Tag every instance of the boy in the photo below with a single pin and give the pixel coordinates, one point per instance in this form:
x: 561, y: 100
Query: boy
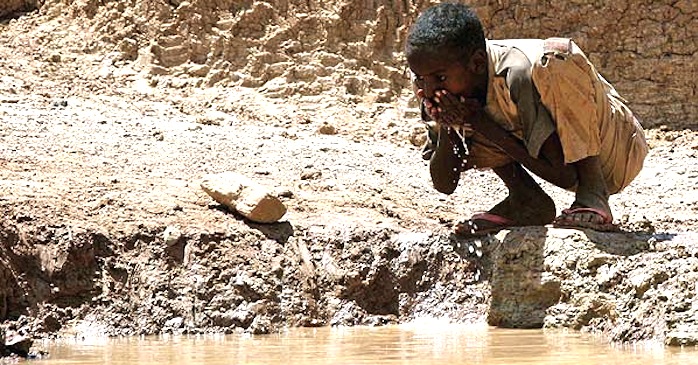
x: 515, y: 104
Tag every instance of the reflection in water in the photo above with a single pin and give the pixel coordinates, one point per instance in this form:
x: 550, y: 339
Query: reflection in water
x: 418, y: 343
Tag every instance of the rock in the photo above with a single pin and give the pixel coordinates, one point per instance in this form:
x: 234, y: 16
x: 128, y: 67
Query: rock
x: 259, y: 205
x: 418, y: 135
x: 175, y: 322
x: 522, y: 290
x: 128, y: 48
x: 60, y: 103
x: 18, y: 344
x: 157, y: 70
x: 327, y: 128
x: 239, y: 193
x: 682, y: 337
x: 260, y: 326
x: 171, y: 235
x: 310, y: 174
x: 215, y: 117
x: 199, y: 70
x: 284, y: 193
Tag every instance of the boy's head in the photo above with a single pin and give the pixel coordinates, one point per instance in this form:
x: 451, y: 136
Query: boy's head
x: 445, y: 48
x: 447, y: 26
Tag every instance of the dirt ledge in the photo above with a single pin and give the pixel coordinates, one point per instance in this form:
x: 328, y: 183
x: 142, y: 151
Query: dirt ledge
x: 72, y: 281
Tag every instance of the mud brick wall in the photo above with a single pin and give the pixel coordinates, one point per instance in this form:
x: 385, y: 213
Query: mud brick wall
x: 646, y: 48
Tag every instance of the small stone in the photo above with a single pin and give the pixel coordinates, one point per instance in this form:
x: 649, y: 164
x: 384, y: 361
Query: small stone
x: 310, y: 174
x: 260, y: 325
x: 175, y: 322
x: 128, y: 48
x: 157, y: 70
x: 199, y: 70
x: 284, y: 193
x: 418, y: 136
x: 18, y: 344
x: 214, y: 117
x: 640, y: 282
x: 327, y: 129
x: 60, y: 103
x: 681, y: 338
x: 258, y: 205
x: 171, y: 235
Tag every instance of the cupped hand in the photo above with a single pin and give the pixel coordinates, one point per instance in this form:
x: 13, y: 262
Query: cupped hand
x: 430, y: 107
x: 458, y: 111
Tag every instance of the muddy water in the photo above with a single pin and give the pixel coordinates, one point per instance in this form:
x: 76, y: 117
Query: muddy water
x: 430, y: 343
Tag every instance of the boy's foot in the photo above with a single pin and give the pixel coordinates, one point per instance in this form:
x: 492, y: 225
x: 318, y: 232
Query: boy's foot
x: 511, y: 212
x: 482, y: 224
x: 585, y: 217
x: 590, y: 208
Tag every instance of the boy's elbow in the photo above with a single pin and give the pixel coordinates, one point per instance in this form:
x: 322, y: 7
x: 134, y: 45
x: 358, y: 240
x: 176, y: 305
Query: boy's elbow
x: 445, y: 188
x: 444, y: 180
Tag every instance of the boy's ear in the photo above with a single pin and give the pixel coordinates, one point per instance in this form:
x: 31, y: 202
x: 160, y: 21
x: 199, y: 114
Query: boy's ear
x: 478, y: 62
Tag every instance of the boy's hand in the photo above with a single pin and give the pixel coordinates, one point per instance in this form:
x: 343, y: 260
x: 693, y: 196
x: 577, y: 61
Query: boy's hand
x: 450, y: 110
x: 429, y: 105
x: 458, y: 111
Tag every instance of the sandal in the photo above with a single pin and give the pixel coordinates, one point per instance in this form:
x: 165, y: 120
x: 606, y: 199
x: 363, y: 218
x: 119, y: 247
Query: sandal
x: 470, y: 229
x: 566, y: 220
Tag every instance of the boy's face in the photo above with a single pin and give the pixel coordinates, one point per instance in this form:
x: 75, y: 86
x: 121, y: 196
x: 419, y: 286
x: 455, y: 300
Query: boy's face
x: 438, y: 72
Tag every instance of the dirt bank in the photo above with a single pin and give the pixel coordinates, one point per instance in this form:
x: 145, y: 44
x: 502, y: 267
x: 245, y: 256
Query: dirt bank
x: 102, y: 151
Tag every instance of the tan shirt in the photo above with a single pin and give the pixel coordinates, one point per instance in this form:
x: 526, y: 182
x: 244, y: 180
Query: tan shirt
x: 537, y: 87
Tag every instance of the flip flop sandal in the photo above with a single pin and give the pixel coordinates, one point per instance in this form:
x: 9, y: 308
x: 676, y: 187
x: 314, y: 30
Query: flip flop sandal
x: 469, y: 229
x: 606, y: 224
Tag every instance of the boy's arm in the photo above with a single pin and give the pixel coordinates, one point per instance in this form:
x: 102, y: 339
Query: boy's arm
x: 558, y: 173
x: 446, y: 163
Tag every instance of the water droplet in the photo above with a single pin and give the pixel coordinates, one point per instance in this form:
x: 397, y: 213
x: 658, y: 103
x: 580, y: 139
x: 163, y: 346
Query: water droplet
x: 471, y: 249
x: 478, y: 253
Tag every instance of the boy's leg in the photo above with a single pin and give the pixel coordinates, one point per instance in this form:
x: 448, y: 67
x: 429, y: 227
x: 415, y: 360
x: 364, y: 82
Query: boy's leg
x: 590, y: 208
x: 526, y: 205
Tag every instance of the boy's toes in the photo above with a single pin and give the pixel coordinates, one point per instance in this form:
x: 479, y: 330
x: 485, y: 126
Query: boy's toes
x: 583, y: 217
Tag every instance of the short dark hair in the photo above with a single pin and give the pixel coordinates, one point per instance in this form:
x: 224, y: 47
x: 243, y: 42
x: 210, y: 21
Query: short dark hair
x: 452, y: 26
